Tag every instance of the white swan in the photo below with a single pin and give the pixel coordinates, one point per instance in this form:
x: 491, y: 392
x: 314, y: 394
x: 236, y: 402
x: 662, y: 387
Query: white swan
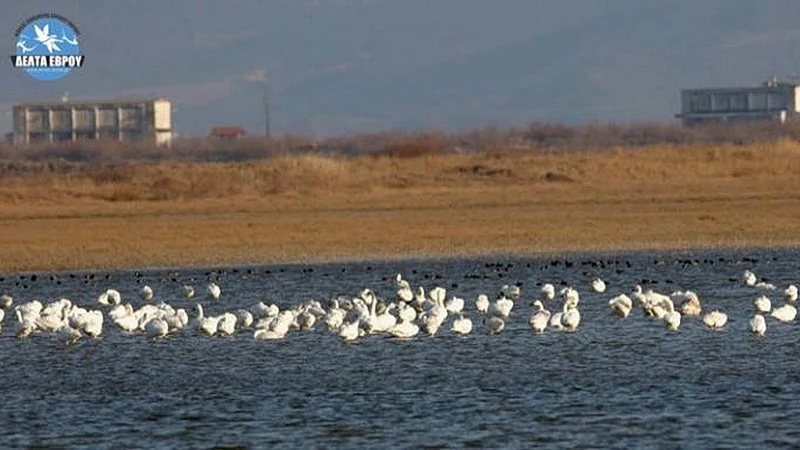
x: 672, y: 318
x: 268, y: 334
x: 622, y: 305
x: 432, y: 321
x: 438, y: 295
x: 495, y: 325
x: 570, y: 317
x: 433, y: 318
x: 455, y: 305
x: 404, y: 292
x: 206, y: 325
x: 765, y: 285
x: 176, y: 321
x: 378, y: 323
x: 157, y: 328
x: 305, y: 318
x: 404, y: 330
x: 52, y: 321
x: 110, y: 297
x: 58, y: 307
x: 6, y: 301
x: 244, y: 318
x: 540, y: 318
x: 118, y: 311
x: 401, y: 283
x: 571, y: 296
x: 349, y: 331
x: 482, y: 303
x: 598, y: 285
x: 689, y: 301
x: 91, y: 323
x: 419, y: 299
x: 691, y: 307
x: 501, y: 307
x: 555, y: 320
x: 188, y: 291
x: 758, y: 325
x: 287, y: 319
x: 262, y: 310
x: 749, y: 278
x: 125, y: 319
x: 147, y: 293
x: 213, y: 291
x: 511, y: 291
x: 548, y: 291
x: 791, y: 293
x: 655, y: 304
x: 226, y: 325
x: 461, y: 326
x: 145, y: 314
x: 30, y: 309
x: 69, y: 334
x: 762, y: 304
x: 715, y: 319
x: 406, y: 312
x: 785, y: 313
x: 334, y: 319
x: 26, y: 325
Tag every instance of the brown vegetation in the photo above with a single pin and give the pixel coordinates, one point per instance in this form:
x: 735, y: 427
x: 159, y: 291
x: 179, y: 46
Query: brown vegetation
x: 405, y: 195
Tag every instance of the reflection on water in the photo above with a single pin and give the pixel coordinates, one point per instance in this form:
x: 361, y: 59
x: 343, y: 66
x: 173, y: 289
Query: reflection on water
x: 613, y: 383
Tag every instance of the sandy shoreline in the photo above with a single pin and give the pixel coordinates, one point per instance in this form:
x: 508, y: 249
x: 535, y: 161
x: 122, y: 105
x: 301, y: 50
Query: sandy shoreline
x: 371, y: 208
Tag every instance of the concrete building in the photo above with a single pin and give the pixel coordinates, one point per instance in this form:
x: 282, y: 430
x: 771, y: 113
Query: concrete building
x: 120, y: 120
x: 773, y: 100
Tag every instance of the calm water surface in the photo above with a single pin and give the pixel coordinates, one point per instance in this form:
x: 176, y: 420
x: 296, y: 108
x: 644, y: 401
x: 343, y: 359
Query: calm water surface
x: 613, y: 383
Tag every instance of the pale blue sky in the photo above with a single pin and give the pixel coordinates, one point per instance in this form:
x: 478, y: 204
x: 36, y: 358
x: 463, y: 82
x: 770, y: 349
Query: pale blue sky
x: 340, y: 66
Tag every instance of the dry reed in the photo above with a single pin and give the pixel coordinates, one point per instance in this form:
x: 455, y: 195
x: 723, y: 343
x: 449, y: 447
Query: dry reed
x: 401, y: 202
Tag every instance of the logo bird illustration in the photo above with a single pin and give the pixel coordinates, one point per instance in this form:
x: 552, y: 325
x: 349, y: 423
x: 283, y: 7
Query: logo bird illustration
x: 21, y: 44
x: 45, y: 38
x: 73, y: 41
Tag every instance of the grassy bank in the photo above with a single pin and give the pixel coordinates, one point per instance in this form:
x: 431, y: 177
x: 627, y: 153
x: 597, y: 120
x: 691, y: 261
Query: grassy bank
x: 133, y: 213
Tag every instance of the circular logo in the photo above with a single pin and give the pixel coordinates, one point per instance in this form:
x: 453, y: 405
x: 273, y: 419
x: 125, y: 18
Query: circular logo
x: 47, y: 47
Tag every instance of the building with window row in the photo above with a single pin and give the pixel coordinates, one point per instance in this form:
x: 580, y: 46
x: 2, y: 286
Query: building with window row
x: 773, y: 100
x: 119, y: 120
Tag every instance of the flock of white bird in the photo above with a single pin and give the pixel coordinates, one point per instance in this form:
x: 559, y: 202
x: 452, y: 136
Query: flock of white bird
x: 410, y: 312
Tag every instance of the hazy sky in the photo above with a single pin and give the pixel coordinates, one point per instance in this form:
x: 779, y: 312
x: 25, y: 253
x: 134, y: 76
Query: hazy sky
x: 339, y: 66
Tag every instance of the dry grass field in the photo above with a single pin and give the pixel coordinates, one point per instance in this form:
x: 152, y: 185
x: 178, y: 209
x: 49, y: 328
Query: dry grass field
x: 311, y: 207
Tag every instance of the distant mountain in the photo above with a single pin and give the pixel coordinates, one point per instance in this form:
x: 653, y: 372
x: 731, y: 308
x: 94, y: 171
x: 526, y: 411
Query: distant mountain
x: 343, y: 66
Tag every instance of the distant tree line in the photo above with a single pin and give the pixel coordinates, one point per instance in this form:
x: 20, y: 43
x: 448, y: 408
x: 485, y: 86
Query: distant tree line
x: 536, y: 137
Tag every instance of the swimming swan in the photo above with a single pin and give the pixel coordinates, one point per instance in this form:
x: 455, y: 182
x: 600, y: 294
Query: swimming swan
x: 785, y: 313
x: 762, y: 304
x: 213, y: 291
x: 791, y: 293
x: 622, y: 305
x: 461, y: 326
x: 540, y: 318
x: 482, y: 303
x: 598, y: 285
x: 495, y: 325
x: 548, y: 291
x: 147, y: 293
x: 715, y: 319
x: 758, y: 325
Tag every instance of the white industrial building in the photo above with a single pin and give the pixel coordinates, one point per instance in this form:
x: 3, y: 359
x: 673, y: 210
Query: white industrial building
x: 773, y: 101
x: 120, y: 120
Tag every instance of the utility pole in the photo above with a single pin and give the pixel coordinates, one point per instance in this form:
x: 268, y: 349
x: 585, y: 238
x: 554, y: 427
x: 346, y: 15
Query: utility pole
x: 266, y: 108
x: 259, y: 78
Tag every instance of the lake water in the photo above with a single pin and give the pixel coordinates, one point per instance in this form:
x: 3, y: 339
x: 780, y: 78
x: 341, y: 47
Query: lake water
x: 614, y: 383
